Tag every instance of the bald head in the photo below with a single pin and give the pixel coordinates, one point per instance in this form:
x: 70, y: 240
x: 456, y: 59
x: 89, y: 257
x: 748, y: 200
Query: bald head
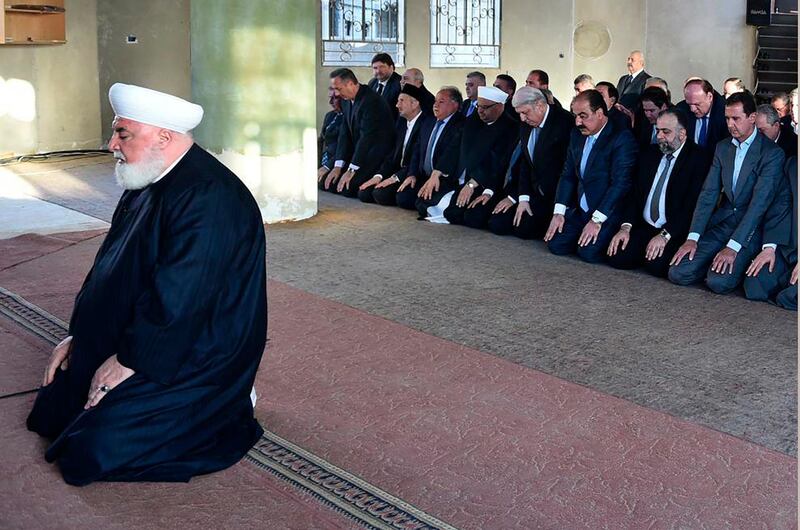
x: 413, y: 76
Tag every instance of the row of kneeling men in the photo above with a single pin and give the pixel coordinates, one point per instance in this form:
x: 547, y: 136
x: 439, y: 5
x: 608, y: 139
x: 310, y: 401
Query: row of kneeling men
x: 581, y: 181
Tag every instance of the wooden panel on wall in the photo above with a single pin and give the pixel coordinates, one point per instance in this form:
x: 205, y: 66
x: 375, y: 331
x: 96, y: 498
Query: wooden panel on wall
x: 24, y: 23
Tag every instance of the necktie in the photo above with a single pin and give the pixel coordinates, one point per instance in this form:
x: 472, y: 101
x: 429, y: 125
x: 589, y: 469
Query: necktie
x: 427, y: 165
x: 514, y: 157
x: 403, y: 147
x: 470, y: 109
x: 703, y: 131
x: 653, y: 138
x: 655, y: 200
x: 587, y: 148
x: 380, y: 89
x: 532, y: 141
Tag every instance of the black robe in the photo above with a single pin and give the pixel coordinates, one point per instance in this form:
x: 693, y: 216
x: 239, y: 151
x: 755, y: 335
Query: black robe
x: 178, y: 292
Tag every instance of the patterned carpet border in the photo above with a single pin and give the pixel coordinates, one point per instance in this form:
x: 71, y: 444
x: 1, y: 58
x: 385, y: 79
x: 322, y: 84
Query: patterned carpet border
x: 336, y: 488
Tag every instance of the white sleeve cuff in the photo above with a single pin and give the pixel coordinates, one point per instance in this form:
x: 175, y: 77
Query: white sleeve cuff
x: 693, y: 236
x: 510, y: 198
x: 338, y: 163
x: 488, y: 192
x: 524, y: 198
x: 380, y: 177
x: 600, y: 216
x: 626, y: 224
x: 559, y: 209
x: 353, y: 167
x: 734, y: 246
x: 773, y: 246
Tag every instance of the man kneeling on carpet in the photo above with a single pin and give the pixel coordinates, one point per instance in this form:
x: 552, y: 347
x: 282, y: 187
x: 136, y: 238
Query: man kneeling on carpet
x: 153, y: 382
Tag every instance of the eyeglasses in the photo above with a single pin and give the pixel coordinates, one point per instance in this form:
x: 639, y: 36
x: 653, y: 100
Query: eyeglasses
x: 486, y: 107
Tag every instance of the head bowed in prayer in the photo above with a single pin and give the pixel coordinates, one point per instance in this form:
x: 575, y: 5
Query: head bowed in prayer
x: 609, y: 92
x: 490, y: 103
x: 590, y: 112
x: 699, y: 95
x: 531, y: 105
x: 344, y: 83
x: 768, y: 121
x: 583, y: 82
x: 670, y: 130
x: 150, y: 131
x: 780, y: 102
x: 740, y: 115
x: 654, y: 100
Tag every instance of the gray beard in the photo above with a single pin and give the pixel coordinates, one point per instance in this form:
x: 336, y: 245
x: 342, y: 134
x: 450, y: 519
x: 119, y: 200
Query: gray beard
x: 137, y: 176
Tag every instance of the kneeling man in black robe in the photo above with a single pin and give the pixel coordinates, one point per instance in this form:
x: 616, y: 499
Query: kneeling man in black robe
x: 153, y: 382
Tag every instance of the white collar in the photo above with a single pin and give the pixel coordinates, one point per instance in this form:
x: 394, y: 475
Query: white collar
x: 171, y: 166
x: 410, y: 123
x: 637, y: 72
x: 546, y: 113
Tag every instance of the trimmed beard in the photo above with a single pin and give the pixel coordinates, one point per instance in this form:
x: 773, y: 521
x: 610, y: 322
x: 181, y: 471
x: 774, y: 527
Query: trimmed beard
x: 137, y: 176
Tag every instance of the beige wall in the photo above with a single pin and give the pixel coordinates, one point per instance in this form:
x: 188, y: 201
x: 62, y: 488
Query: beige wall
x: 708, y: 39
x: 65, y: 111
x: 159, y: 60
x: 679, y: 37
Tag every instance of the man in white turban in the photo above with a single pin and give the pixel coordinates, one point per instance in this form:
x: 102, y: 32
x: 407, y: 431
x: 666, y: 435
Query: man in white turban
x: 153, y: 382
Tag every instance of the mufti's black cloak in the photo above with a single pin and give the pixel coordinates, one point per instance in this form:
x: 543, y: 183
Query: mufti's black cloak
x: 178, y: 292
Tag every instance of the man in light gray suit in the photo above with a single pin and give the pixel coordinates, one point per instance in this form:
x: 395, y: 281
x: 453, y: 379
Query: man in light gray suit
x: 725, y: 233
x: 773, y: 274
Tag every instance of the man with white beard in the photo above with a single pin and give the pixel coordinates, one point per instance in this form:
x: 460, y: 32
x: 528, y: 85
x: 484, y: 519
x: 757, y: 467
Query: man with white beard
x: 153, y: 382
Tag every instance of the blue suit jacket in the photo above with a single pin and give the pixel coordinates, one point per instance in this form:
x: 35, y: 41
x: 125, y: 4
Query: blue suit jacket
x: 609, y: 170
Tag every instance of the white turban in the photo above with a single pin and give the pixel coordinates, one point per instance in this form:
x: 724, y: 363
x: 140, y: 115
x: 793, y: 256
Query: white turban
x: 154, y: 108
x: 492, y: 94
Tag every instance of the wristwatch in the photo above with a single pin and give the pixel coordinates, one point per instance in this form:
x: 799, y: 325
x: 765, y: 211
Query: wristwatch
x: 665, y: 235
x: 597, y: 219
x: 472, y: 184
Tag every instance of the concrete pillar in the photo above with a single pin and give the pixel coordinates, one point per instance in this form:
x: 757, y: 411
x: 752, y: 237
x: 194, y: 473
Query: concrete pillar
x: 253, y: 71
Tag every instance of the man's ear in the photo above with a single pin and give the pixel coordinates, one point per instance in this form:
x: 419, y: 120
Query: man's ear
x: 164, y: 137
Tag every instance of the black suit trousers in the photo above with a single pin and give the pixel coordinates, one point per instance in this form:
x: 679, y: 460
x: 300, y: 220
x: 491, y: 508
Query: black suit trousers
x: 567, y: 241
x: 386, y: 196
x: 633, y: 256
x: 475, y: 217
x: 530, y: 226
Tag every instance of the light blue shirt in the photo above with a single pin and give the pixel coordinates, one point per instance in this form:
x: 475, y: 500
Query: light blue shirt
x: 741, y: 153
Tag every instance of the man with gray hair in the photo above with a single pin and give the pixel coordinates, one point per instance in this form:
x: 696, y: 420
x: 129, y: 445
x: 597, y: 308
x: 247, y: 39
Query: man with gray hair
x: 658, y: 82
x: 630, y: 86
x: 417, y: 78
x: 769, y: 124
x: 544, y: 136
x: 583, y: 82
x: 783, y: 105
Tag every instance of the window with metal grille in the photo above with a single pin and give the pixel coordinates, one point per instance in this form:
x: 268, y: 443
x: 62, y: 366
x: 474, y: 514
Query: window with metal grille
x: 465, y: 33
x: 353, y: 31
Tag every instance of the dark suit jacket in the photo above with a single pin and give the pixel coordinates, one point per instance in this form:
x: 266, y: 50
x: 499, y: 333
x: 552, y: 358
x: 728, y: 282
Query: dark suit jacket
x: 448, y: 147
x: 788, y: 141
x: 538, y: 178
x: 644, y: 134
x: 759, y: 179
x: 609, y: 170
x: 426, y: 101
x: 465, y: 106
x: 390, y: 92
x: 629, y: 90
x: 717, y: 129
x: 329, y: 138
x: 620, y: 119
x: 400, y: 159
x: 508, y: 108
x: 780, y: 221
x: 366, y: 136
x: 688, y: 173
x: 486, y: 151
